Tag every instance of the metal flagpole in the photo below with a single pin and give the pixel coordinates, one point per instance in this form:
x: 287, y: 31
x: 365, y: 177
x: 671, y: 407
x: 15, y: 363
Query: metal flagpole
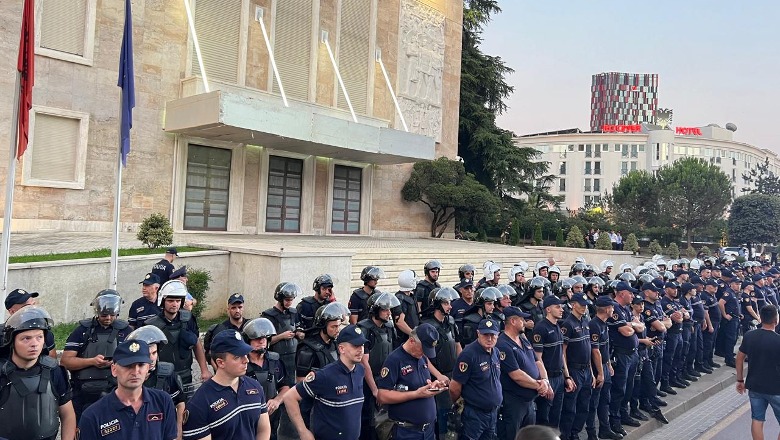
x: 113, y: 276
x: 9, y: 187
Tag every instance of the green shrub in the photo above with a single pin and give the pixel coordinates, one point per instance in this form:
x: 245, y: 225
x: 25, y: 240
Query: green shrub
x: 559, y: 238
x: 706, y: 250
x: 155, y: 231
x: 631, y: 244
x: 604, y: 242
x: 538, y: 235
x: 673, y: 251
x: 655, y: 247
x: 198, y: 285
x: 481, y: 234
x: 514, y: 233
x: 574, y: 238
x: 690, y: 252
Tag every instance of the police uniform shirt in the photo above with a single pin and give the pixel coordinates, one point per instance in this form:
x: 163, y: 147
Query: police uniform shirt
x: 651, y: 314
x: 141, y: 310
x: 685, y: 304
x: 747, y: 300
x: 599, y: 338
x: 711, y: 306
x: 459, y: 307
x: 621, y: 317
x: 222, y: 413
x: 669, y: 307
x: 79, y: 338
x: 337, y: 395
x: 759, y: 296
x: 479, y: 373
x: 698, y: 308
x: 731, y: 304
x: 109, y: 418
x: 163, y: 269
x: 404, y: 372
x: 307, y: 308
x: 357, y: 305
x: 515, y: 357
x: 548, y: 340
x: 576, y: 336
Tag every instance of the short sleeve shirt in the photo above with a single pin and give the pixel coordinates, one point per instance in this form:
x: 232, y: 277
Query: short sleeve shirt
x: 111, y: 419
x: 478, y: 371
x: 548, y: 340
x: 711, y: 305
x: 163, y: 269
x: 79, y: 337
x: 621, y: 317
x: 337, y: 393
x: 141, y: 310
x: 599, y: 338
x: 650, y: 315
x: 763, y: 349
x: 219, y: 411
x: 576, y: 337
x: 515, y: 357
x: 404, y: 372
x: 730, y: 303
x: 59, y: 383
x: 357, y: 305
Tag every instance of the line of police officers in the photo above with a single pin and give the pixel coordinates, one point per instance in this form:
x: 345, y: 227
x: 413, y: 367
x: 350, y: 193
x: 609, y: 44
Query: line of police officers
x: 425, y: 362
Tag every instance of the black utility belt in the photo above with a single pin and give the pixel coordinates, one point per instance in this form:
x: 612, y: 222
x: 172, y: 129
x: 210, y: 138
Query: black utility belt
x: 674, y: 331
x: 575, y: 366
x: 413, y: 426
x: 621, y: 350
x: 554, y: 373
x: 484, y: 410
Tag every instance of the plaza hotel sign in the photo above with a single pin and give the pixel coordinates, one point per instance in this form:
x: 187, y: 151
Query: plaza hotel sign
x: 636, y: 128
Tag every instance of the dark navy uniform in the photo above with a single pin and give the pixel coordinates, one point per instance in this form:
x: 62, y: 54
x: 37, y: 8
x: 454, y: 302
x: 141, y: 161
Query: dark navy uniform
x: 576, y: 338
x: 182, y: 333
x: 599, y: 399
x: 141, y: 310
x: 336, y: 394
x: 358, y: 304
x: 729, y: 329
x: 470, y: 323
x: 283, y: 321
x: 673, y: 342
x: 652, y: 313
x: 411, y: 315
x: 378, y: 348
x: 681, y: 362
x: 444, y: 362
x: 215, y: 329
x: 479, y: 373
x: 626, y: 361
x: 163, y: 269
x: 164, y: 378
x: 517, y: 408
x: 222, y: 413
x: 747, y: 300
x: 697, y: 338
x: 459, y: 307
x: 35, y: 414
x: 88, y: 340
x: 111, y: 419
x: 708, y: 336
x: 306, y: 310
x: 273, y: 377
x: 423, y: 291
x: 548, y: 340
x: 404, y: 372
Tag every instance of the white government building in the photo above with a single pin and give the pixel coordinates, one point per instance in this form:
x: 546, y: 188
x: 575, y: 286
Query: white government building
x: 588, y: 164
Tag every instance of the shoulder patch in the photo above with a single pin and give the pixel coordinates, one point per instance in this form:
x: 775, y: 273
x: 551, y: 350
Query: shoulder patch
x: 563, y: 330
x: 385, y: 371
x: 594, y: 337
x: 725, y: 295
x: 463, y: 366
x: 309, y: 377
x: 615, y: 316
x: 501, y: 355
x: 537, y: 338
x: 648, y: 312
x: 669, y: 307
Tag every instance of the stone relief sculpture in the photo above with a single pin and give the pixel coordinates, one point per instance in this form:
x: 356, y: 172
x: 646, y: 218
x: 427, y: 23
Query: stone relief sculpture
x: 421, y: 67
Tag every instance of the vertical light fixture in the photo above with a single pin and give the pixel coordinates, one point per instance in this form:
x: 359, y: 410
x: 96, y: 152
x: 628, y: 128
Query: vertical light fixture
x: 259, y: 13
x: 378, y: 57
x: 191, y: 23
x: 324, y: 39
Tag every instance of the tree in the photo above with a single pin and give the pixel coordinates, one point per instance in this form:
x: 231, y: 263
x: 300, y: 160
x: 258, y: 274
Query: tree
x: 754, y: 219
x: 693, y: 194
x: 655, y: 247
x: 574, y: 238
x: 155, y: 231
x: 604, y: 242
x: 538, y: 235
x: 446, y: 189
x: 559, y: 238
x: 514, y: 234
x: 634, y: 200
x: 631, y: 244
x: 761, y: 180
x: 673, y: 251
x: 690, y: 252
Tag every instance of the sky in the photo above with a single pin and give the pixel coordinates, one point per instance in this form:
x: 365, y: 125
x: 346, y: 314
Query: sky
x: 717, y: 61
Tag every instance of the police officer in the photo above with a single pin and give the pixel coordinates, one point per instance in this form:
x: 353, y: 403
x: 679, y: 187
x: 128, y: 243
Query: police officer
x: 466, y: 272
x: 710, y: 301
x: 466, y: 290
x: 235, y: 321
x: 644, y: 381
x: 548, y: 345
x: 409, y: 313
x: 323, y: 294
x: 729, y: 325
x: 622, y: 336
x: 688, y: 348
x: 492, y: 276
x: 286, y: 322
x: 577, y: 356
x: 423, y: 290
x: 335, y: 391
x: 145, y: 307
x: 484, y: 306
x: 447, y: 347
x: 518, y: 282
x: 89, y: 349
x: 164, y: 268
x: 606, y: 270
x: 532, y: 303
x: 477, y: 380
x: 117, y: 415
x: 230, y: 405
x: 406, y: 386
x: 600, y: 356
x: 673, y: 341
x: 378, y: 329
x: 701, y: 322
x: 523, y: 377
x: 181, y: 329
x: 370, y: 275
x: 317, y: 350
x: 18, y: 298
x: 265, y: 367
x: 748, y: 308
x: 657, y: 324
x: 36, y: 414
x: 180, y: 274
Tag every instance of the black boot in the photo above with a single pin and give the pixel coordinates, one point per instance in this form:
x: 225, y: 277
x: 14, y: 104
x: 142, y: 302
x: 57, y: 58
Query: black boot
x: 660, y: 393
x: 607, y: 433
x: 693, y: 372
x: 688, y: 377
x: 617, y: 428
x: 667, y: 388
x: 629, y: 421
x: 658, y: 415
x: 636, y: 414
x: 592, y: 434
x: 702, y: 368
x: 658, y: 402
x: 713, y: 364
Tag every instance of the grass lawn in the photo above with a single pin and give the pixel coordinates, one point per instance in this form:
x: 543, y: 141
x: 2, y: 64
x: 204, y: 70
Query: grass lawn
x: 96, y: 253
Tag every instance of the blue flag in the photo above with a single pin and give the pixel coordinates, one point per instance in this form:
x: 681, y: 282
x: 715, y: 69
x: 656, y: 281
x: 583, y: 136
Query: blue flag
x: 127, y: 83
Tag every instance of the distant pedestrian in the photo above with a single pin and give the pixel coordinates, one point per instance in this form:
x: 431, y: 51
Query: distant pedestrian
x: 762, y: 346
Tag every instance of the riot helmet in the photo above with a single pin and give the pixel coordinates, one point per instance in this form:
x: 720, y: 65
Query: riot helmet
x: 488, y: 294
x: 464, y: 269
x: 627, y: 277
x: 442, y: 295
x: 523, y: 266
x: 286, y: 290
x: 381, y: 301
x: 324, y: 280
x: 107, y: 302
x: 27, y: 318
x: 431, y: 265
x: 626, y: 267
x: 330, y: 312
x: 605, y: 264
x: 149, y: 334
x: 371, y: 273
x: 407, y: 280
x: 172, y: 289
x: 507, y: 290
x: 259, y: 328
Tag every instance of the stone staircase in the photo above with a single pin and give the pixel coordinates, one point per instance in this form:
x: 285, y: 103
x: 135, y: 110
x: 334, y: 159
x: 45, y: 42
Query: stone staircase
x: 451, y: 254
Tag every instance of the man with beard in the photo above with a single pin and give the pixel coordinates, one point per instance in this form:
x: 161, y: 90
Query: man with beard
x: 548, y: 345
x: 323, y: 294
x: 235, y: 321
x: 424, y: 287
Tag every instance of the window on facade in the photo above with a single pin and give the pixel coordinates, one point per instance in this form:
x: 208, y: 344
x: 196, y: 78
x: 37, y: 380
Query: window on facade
x: 623, y: 168
x: 354, y: 53
x: 57, y: 151
x: 597, y: 185
x: 581, y: 147
x: 588, y: 150
x: 605, y: 147
x: 292, y: 44
x: 207, y: 191
x: 624, y: 150
x: 346, y: 200
x: 587, y: 185
x: 561, y: 185
x: 634, y: 150
x: 588, y: 200
x: 285, y: 182
x: 597, y: 150
x: 571, y: 147
x: 587, y: 167
x: 218, y: 24
x: 633, y: 165
x: 67, y: 29
x: 563, y: 168
x: 596, y: 167
x: 641, y: 148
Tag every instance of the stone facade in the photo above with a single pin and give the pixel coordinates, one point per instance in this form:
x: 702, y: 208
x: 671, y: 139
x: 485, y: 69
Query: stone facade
x: 164, y: 64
